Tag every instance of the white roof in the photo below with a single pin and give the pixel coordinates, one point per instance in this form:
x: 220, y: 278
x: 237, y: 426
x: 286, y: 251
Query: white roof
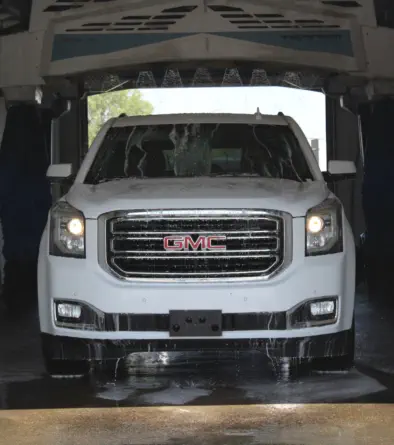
x: 203, y: 118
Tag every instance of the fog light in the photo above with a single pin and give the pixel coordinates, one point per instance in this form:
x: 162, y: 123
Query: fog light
x: 319, y: 308
x: 316, y: 312
x: 67, y: 310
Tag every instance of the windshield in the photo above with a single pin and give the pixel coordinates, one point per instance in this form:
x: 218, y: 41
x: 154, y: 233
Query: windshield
x: 190, y: 150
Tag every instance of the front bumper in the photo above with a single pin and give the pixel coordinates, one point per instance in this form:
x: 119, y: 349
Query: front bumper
x: 68, y: 348
x: 254, y: 310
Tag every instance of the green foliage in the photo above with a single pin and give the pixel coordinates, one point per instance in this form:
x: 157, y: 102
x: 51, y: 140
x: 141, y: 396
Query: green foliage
x: 102, y: 107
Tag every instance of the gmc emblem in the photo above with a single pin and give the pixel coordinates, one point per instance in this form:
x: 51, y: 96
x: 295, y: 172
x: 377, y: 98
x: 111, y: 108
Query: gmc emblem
x: 177, y: 243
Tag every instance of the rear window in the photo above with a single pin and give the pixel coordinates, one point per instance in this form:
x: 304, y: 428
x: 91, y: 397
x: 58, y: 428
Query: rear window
x: 193, y: 150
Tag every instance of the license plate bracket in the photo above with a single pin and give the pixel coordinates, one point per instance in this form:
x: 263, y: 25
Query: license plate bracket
x: 201, y: 323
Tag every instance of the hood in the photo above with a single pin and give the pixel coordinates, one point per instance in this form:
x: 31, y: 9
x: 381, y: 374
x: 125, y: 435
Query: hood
x: 197, y: 193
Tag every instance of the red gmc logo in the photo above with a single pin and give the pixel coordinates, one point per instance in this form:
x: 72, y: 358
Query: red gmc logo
x: 186, y: 242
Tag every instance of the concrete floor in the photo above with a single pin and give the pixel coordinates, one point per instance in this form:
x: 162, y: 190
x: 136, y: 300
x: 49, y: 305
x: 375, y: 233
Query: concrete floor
x: 202, y: 425
x: 200, y: 393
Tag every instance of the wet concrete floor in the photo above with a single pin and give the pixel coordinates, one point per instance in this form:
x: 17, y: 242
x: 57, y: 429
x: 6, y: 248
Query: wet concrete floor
x: 199, y: 425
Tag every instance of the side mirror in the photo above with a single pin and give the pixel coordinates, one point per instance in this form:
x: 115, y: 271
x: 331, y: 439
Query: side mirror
x: 60, y: 172
x: 339, y: 170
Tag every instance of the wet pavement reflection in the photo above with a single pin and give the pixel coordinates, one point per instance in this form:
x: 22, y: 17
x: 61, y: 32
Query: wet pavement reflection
x: 157, y: 379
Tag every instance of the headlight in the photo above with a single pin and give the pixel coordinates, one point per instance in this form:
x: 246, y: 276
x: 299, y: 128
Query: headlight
x: 323, y: 227
x: 67, y: 236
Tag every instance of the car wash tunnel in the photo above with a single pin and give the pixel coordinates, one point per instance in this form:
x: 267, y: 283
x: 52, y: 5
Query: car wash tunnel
x: 206, y: 272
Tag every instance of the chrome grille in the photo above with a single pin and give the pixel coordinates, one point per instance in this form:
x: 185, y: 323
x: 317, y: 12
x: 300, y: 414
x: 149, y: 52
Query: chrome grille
x: 254, y: 244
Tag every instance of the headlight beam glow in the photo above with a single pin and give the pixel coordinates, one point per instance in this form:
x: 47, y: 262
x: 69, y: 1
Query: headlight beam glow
x: 75, y: 227
x: 315, y: 224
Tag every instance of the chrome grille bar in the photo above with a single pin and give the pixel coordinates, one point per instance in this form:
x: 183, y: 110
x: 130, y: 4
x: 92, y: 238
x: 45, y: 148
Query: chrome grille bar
x: 161, y: 257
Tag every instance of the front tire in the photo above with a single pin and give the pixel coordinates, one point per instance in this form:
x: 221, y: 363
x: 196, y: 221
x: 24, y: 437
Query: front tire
x: 339, y: 363
x: 66, y: 368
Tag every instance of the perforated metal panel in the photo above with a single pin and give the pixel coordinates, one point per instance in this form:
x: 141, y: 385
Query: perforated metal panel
x: 60, y: 6
x: 242, y: 10
x: 167, y: 19
x: 160, y: 21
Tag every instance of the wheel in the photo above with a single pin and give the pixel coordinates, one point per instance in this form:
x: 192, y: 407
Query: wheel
x: 67, y: 368
x: 339, y: 363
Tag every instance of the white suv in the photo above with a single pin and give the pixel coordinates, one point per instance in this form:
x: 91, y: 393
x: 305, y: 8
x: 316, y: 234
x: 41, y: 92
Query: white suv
x: 197, y: 232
